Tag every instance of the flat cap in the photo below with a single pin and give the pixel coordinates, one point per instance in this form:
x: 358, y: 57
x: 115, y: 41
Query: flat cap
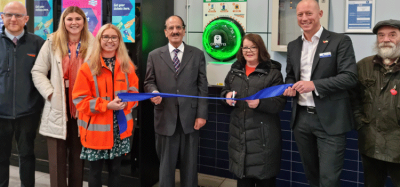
x: 390, y: 22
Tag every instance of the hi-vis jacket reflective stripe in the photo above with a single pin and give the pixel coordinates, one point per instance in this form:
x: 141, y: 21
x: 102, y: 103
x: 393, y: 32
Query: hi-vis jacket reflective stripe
x: 91, y: 95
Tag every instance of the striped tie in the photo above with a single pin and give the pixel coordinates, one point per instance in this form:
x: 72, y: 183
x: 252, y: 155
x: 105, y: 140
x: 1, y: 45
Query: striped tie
x: 177, y: 63
x: 15, y: 40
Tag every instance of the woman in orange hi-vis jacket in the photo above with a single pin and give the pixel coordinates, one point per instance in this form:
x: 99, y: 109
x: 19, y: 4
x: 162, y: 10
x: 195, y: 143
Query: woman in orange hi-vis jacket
x: 109, y: 71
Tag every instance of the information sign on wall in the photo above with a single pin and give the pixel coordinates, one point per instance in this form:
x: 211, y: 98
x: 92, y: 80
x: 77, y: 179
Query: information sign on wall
x: 235, y: 9
x: 92, y: 9
x: 360, y: 16
x: 43, y: 20
x: 3, y: 3
x: 123, y: 16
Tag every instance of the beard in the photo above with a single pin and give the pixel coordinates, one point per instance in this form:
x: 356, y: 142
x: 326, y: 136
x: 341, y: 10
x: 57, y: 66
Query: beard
x: 387, y: 50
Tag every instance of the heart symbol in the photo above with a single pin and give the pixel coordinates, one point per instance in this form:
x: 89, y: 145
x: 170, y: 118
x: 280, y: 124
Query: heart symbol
x: 393, y: 92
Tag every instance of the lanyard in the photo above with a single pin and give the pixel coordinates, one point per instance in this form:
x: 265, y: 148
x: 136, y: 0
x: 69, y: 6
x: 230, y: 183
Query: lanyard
x: 77, y: 50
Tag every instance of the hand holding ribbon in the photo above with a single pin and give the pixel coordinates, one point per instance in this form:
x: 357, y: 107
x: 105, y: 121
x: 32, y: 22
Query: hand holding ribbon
x: 262, y: 94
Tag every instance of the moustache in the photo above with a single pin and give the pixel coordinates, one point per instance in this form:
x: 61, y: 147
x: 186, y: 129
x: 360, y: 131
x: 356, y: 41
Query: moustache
x: 387, y: 44
x: 174, y: 34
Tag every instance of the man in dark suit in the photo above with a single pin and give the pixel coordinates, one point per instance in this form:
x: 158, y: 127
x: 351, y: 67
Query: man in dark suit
x: 180, y: 69
x: 322, y: 66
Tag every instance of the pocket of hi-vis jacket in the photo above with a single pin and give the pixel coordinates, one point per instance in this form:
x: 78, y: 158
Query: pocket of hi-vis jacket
x: 99, y: 131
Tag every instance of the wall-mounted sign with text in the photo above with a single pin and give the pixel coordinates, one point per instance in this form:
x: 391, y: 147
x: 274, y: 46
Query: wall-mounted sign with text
x: 92, y: 9
x: 43, y: 20
x: 360, y: 16
x: 235, y: 9
x: 123, y: 16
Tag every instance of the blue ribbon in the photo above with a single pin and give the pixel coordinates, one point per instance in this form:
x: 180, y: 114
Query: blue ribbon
x: 272, y: 91
x: 123, y: 124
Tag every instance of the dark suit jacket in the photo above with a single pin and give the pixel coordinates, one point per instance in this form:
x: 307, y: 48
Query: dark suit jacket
x: 332, y: 76
x: 189, y: 80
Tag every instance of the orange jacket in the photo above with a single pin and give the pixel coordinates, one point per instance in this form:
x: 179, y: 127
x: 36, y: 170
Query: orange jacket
x: 91, y: 95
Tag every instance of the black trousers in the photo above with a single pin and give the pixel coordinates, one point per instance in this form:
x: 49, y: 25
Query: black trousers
x: 24, y: 129
x: 182, y: 146
x: 376, y: 172
x: 114, y: 172
x: 322, y: 154
x: 250, y: 182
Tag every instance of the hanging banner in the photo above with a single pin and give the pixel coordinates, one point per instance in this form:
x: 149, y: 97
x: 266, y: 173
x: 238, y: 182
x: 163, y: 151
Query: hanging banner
x: 123, y: 16
x: 3, y: 3
x: 92, y: 9
x: 43, y: 20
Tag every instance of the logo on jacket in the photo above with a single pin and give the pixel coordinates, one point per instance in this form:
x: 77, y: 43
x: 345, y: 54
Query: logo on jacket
x: 31, y: 55
x: 120, y: 80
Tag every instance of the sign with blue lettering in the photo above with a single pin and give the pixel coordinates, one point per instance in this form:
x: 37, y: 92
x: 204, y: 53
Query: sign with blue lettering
x: 123, y: 16
x: 43, y: 20
x: 360, y: 16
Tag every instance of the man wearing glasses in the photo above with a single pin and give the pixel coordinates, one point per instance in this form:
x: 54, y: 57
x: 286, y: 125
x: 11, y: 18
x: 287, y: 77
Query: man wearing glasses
x: 20, y: 102
x: 179, y: 69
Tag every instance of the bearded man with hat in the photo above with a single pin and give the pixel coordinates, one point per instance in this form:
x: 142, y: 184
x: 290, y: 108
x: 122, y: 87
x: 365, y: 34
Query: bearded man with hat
x: 376, y: 105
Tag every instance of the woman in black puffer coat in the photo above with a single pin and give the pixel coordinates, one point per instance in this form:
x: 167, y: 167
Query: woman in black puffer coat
x: 255, y: 133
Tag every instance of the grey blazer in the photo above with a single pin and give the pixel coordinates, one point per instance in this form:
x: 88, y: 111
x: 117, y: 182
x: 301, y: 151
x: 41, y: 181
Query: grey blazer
x: 190, y: 79
x: 332, y: 76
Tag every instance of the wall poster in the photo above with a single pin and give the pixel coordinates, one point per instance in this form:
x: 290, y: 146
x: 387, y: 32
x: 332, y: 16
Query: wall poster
x: 123, y: 16
x: 43, y: 18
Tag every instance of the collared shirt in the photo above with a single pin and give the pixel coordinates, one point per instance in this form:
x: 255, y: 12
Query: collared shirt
x: 172, y: 53
x: 307, y: 58
x: 12, y: 36
x: 180, y: 53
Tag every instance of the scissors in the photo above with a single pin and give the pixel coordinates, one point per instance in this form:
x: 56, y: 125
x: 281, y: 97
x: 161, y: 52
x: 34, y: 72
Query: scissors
x: 233, y: 96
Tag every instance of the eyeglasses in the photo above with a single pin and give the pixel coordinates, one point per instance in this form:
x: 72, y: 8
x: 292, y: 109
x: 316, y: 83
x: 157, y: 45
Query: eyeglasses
x: 106, y: 38
x: 247, y: 49
x: 171, y: 28
x: 10, y: 15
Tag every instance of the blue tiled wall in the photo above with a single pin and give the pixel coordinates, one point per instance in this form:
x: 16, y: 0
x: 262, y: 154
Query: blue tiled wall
x: 213, y: 149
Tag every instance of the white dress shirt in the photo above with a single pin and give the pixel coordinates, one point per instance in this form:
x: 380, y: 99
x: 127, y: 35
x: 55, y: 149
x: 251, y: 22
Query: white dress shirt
x: 307, y: 58
x: 172, y: 53
x: 12, y: 36
x: 180, y: 53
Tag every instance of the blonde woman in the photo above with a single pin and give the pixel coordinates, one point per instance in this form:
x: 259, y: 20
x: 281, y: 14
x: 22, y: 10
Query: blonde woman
x: 108, y: 72
x: 62, y: 55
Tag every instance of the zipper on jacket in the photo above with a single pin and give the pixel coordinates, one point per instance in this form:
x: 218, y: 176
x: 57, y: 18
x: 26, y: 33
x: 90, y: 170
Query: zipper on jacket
x: 262, y: 135
x: 112, y: 78
x: 8, y: 61
x: 15, y: 73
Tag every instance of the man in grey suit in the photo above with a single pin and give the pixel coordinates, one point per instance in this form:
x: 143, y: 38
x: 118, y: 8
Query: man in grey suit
x: 179, y: 69
x: 323, y: 67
